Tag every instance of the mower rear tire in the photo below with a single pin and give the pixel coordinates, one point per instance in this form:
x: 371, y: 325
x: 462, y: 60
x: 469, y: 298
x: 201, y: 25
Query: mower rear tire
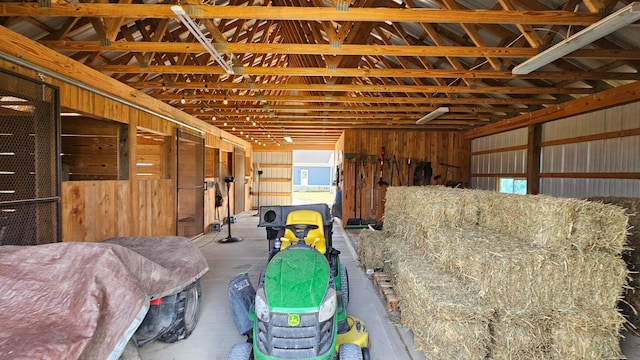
x: 344, y: 284
x: 187, y: 314
x: 240, y: 351
x: 350, y: 352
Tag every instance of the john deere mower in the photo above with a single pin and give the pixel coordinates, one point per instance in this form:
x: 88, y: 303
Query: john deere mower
x: 299, y: 308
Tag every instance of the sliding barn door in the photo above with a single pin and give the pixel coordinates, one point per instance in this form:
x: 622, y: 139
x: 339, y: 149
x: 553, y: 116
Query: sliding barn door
x: 190, y: 197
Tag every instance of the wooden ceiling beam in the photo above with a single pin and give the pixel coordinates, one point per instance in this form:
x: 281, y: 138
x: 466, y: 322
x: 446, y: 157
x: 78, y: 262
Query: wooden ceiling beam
x: 602, y: 100
x: 363, y: 100
x: 353, y: 72
x: 473, y: 34
x: 285, y: 109
x: 423, y: 89
x: 325, y: 49
x: 134, y: 11
x: 527, y: 31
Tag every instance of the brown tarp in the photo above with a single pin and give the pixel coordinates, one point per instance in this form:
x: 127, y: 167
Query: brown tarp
x: 85, y: 300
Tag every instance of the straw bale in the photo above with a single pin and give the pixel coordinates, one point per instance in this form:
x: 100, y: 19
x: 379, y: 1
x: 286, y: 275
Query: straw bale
x: 521, y: 335
x: 557, y: 224
x: 448, y: 320
x: 631, y: 304
x: 590, y: 333
x: 532, y: 218
x: 411, y: 210
x: 512, y: 274
x: 586, y: 334
x: 600, y: 227
x: 371, y: 248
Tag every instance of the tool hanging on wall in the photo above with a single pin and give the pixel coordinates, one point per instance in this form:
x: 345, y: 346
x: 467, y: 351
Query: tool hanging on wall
x: 363, y: 183
x: 396, y: 165
x: 390, y: 166
x: 422, y: 174
x: 355, y: 220
x: 372, y: 213
x: 381, y: 182
x: 447, y: 182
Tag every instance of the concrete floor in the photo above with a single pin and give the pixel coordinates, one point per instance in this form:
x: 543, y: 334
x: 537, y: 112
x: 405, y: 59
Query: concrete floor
x: 216, y: 333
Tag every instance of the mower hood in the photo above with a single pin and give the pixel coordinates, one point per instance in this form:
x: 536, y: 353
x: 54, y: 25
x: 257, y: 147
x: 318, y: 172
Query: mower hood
x: 296, y: 278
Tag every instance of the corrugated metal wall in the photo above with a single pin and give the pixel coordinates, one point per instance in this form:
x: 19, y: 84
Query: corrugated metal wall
x: 275, y: 182
x: 614, y: 155
x: 573, y: 146
x: 489, y: 163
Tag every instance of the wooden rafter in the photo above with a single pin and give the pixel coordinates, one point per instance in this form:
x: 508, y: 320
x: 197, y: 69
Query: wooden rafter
x: 312, y: 68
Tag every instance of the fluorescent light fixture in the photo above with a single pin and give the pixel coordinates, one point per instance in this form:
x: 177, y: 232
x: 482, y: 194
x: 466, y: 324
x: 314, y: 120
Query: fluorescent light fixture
x: 602, y: 28
x: 432, y: 115
x: 288, y: 139
x: 231, y: 142
x: 195, y: 31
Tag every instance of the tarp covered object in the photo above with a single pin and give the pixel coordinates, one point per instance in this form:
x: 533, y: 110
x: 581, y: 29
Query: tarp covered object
x: 85, y: 300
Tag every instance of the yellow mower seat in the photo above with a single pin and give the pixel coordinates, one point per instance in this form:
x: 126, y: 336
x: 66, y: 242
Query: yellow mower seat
x: 315, y: 238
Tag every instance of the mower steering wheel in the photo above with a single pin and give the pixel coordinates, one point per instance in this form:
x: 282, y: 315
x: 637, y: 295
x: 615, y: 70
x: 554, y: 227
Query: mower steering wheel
x: 301, y: 230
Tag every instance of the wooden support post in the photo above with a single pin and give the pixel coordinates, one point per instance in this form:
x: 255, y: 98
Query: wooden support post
x: 533, y: 158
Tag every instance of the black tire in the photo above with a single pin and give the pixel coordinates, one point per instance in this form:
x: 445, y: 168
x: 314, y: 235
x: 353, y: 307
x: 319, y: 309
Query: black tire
x: 365, y: 354
x: 344, y: 284
x: 240, y: 351
x: 187, y: 314
x: 350, y: 352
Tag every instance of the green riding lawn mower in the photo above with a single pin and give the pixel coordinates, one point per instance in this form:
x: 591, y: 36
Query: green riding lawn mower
x: 299, y: 308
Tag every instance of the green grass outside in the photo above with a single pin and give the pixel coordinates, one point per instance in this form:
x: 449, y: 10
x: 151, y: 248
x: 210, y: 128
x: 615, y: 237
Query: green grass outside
x: 312, y: 197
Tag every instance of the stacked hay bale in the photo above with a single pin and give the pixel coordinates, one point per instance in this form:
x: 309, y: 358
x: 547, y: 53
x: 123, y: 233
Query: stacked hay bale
x: 631, y: 304
x: 371, y: 249
x: 539, y: 277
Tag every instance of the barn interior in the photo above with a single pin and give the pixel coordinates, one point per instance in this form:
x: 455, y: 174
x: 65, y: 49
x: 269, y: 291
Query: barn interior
x: 179, y: 118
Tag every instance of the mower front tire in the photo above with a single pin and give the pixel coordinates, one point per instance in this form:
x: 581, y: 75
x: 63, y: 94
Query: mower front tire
x: 240, y: 351
x: 187, y: 314
x: 350, y: 352
x: 365, y: 354
x: 344, y: 284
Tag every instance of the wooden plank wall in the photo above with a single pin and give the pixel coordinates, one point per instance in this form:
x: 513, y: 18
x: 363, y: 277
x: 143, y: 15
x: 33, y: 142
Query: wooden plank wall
x: 144, y: 204
x: 89, y: 149
x: 151, y: 162
x: 95, y: 210
x: 275, y: 182
x: 447, y: 151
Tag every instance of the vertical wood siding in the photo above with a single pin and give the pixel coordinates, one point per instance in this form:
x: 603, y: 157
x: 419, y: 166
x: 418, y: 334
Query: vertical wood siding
x: 95, y: 210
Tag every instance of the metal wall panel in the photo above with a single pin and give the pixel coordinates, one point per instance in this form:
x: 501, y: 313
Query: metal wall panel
x: 506, y: 139
x: 609, y: 120
x: 506, y: 162
x: 598, y: 156
x: 483, y: 183
x: 610, y: 155
x: 583, y: 188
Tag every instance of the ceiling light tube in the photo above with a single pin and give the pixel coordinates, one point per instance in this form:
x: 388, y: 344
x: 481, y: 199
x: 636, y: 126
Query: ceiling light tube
x: 195, y: 31
x: 231, y: 142
x: 600, y: 29
x: 288, y: 139
x: 432, y: 115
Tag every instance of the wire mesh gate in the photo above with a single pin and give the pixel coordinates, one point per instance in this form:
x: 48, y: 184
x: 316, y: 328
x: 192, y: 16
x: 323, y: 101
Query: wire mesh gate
x: 29, y: 161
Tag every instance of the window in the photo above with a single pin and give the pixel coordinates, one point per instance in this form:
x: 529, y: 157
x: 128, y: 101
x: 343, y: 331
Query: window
x: 512, y: 186
x: 92, y: 149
